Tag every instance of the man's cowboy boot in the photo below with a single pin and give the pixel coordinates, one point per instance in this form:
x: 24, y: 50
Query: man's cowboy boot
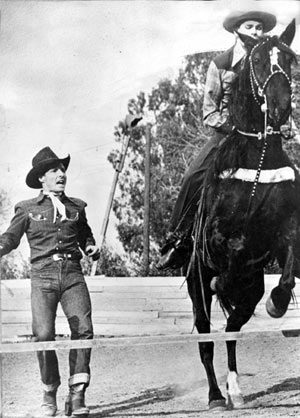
x: 174, y: 254
x: 75, y: 404
x: 49, y: 406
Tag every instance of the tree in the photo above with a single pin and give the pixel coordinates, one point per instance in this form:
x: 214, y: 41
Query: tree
x: 175, y: 108
x: 292, y: 147
x: 13, y: 265
x: 110, y: 264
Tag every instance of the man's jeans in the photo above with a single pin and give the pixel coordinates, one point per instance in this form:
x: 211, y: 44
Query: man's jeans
x: 53, y: 282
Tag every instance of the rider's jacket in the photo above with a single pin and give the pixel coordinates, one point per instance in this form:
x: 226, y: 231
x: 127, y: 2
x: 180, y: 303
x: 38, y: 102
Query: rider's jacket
x: 220, y: 75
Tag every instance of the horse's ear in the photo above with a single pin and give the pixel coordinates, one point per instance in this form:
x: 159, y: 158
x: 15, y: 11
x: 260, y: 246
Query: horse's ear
x: 288, y: 35
x: 248, y: 41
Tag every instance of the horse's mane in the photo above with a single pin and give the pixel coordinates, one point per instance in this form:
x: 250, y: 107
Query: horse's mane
x: 233, y: 151
x: 231, y: 154
x: 244, y: 114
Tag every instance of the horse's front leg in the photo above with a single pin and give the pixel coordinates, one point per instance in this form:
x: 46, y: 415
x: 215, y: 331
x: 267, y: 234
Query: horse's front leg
x: 202, y: 298
x: 215, y: 398
x: 279, y: 299
x: 239, y: 317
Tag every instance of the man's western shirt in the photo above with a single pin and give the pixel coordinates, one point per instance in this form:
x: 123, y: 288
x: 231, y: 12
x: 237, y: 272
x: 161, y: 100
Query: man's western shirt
x: 34, y: 218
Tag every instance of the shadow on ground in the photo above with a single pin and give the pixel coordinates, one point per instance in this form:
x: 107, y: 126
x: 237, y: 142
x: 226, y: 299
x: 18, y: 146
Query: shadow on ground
x: 286, y: 385
x: 149, y: 397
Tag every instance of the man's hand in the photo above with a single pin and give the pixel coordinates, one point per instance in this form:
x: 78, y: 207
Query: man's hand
x: 93, y: 251
x: 226, y: 128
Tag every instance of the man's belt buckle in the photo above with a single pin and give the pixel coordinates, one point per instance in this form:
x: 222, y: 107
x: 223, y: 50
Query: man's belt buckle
x: 61, y: 257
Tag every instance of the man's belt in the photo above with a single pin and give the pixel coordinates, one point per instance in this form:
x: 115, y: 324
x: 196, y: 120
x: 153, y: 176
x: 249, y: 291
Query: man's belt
x: 63, y: 256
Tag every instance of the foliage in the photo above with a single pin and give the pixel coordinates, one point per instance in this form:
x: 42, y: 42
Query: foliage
x: 177, y: 134
x: 110, y: 264
x: 13, y: 265
x: 292, y: 147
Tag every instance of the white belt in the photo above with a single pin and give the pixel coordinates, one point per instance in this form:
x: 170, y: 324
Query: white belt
x: 266, y: 176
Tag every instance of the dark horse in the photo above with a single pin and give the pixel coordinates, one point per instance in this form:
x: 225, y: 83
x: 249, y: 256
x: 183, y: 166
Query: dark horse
x: 248, y: 212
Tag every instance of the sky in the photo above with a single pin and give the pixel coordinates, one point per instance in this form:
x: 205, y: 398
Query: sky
x: 69, y: 68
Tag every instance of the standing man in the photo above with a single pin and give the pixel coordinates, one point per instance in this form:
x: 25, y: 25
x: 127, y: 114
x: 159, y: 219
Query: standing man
x: 221, y: 73
x: 57, y: 231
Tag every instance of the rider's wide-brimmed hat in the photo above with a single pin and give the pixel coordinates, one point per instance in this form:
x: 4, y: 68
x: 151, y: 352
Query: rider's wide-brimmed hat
x: 42, y: 162
x: 234, y: 19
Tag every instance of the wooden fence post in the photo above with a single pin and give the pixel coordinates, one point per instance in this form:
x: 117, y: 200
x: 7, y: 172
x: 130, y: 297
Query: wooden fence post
x: 130, y: 121
x: 147, y: 200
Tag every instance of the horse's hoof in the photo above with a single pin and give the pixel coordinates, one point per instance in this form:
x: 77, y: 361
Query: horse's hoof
x: 235, y: 401
x: 217, y: 405
x: 272, y: 310
x: 278, y: 302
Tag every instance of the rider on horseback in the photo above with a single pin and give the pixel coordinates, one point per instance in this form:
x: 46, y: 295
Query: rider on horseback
x: 221, y: 73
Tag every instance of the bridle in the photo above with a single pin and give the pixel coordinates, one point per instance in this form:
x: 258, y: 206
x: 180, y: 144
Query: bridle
x: 274, y: 64
x: 259, y: 91
x: 260, y: 97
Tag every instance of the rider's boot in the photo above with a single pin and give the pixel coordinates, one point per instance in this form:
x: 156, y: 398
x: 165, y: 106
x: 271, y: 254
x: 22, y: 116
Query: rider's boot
x: 174, y: 253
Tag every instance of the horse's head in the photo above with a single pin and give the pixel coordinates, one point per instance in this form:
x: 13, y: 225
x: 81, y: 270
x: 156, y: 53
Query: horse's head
x: 270, y: 75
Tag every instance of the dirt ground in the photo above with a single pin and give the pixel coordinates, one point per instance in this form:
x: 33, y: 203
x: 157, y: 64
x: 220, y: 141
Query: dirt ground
x: 165, y: 380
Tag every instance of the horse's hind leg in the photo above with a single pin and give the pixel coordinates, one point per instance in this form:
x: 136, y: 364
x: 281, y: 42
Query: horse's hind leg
x: 202, y: 312
x: 239, y: 317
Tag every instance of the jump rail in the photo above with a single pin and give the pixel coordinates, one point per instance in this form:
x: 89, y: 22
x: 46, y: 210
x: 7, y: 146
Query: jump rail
x: 144, y: 340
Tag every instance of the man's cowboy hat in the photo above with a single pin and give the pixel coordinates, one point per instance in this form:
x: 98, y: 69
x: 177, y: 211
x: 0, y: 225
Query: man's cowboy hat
x: 42, y: 162
x: 234, y: 19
